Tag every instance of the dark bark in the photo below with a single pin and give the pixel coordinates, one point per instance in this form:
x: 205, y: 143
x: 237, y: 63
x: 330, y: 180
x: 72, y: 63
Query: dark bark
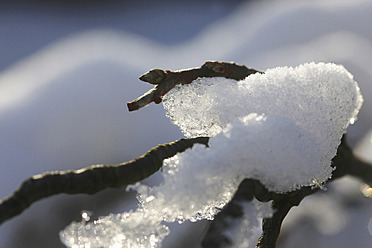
x: 92, y: 179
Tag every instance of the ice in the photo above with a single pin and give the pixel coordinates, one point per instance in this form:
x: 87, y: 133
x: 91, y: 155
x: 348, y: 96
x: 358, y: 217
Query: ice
x: 281, y: 128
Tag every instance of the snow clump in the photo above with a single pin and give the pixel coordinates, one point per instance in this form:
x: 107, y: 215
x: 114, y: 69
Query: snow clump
x: 320, y: 100
x: 282, y: 128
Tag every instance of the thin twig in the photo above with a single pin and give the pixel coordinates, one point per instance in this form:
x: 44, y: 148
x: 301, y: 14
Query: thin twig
x: 166, y: 80
x: 92, y: 179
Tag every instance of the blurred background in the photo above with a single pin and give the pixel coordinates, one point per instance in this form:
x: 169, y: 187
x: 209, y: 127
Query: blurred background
x: 67, y: 69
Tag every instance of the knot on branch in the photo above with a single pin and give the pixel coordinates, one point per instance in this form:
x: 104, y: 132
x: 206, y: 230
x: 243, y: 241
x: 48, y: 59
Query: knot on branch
x: 154, y: 76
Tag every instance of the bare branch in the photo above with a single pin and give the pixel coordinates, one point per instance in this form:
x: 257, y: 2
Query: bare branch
x: 166, y: 80
x: 92, y: 179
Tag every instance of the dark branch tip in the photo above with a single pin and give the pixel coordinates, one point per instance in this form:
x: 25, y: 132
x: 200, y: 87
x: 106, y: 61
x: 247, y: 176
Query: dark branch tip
x: 132, y: 106
x: 154, y: 76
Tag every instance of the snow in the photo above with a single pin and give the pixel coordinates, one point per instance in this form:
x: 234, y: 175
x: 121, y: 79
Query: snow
x: 74, y: 115
x: 308, y: 109
x: 134, y: 229
x: 312, y: 95
x: 320, y: 99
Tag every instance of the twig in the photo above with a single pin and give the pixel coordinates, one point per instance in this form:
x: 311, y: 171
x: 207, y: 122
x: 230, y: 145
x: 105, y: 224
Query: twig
x: 92, y: 179
x: 166, y: 80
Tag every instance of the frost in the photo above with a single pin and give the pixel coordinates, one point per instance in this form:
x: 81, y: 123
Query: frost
x: 282, y: 128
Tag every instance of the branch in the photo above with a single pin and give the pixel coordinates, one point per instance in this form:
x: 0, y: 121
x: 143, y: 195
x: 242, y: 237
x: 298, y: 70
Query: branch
x: 232, y: 212
x: 249, y: 188
x: 345, y: 163
x: 92, y: 179
x: 361, y: 170
x: 281, y: 206
x: 167, y: 80
x: 98, y: 177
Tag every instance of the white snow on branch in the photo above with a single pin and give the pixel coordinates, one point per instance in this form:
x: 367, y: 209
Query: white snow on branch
x: 282, y: 127
x: 320, y: 99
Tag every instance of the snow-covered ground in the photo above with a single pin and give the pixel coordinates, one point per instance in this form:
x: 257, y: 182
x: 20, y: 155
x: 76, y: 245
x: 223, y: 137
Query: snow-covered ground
x: 67, y: 72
